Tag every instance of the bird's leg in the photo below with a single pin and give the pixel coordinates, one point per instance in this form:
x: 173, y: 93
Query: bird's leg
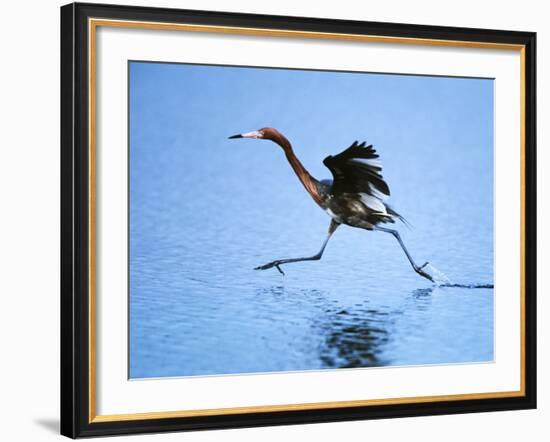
x: 416, y: 268
x: 277, y: 263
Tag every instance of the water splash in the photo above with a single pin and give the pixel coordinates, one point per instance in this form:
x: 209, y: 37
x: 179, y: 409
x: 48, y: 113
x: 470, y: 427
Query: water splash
x: 437, y: 275
x: 442, y: 280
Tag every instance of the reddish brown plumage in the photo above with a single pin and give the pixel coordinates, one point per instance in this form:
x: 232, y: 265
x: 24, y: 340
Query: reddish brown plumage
x: 309, y: 183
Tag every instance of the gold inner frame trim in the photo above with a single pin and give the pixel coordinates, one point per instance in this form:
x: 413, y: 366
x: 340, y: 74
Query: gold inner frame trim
x: 92, y: 28
x: 299, y: 34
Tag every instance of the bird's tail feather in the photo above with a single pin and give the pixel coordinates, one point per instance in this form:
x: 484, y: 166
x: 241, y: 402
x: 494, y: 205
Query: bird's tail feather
x: 398, y: 216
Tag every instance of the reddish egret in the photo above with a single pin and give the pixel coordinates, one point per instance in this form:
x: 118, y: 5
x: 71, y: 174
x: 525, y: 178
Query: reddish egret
x: 355, y: 197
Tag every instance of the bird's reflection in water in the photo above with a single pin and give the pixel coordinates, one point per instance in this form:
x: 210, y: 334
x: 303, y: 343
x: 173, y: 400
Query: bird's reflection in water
x: 421, y: 300
x: 424, y: 293
x: 339, y: 334
x: 355, y: 338
x: 336, y: 335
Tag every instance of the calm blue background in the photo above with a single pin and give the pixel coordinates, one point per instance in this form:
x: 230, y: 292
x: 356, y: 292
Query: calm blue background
x: 205, y: 210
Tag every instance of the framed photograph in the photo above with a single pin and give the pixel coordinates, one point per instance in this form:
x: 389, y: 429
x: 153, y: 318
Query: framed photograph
x: 275, y: 220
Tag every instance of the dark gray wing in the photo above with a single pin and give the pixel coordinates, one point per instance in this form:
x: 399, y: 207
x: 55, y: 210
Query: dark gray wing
x: 358, y: 170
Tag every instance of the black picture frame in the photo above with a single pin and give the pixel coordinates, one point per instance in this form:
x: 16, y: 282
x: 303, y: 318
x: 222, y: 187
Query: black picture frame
x: 75, y: 220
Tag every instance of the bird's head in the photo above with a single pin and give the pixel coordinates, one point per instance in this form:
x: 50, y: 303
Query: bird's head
x: 266, y: 133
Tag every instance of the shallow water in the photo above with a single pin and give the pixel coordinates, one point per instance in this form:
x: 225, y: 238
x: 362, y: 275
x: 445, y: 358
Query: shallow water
x: 204, y: 211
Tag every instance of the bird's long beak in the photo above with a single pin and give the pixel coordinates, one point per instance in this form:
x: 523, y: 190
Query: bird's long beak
x: 253, y: 134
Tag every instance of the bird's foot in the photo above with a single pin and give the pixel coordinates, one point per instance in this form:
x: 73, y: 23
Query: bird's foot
x: 421, y: 272
x: 271, y: 264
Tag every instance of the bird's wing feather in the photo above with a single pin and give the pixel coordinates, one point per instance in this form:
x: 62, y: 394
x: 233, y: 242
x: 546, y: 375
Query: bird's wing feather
x: 358, y: 170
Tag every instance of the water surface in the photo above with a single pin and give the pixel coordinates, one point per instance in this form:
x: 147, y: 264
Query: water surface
x: 205, y: 210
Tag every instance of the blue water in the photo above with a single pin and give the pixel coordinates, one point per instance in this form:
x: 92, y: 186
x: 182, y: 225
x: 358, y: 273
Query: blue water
x: 205, y: 210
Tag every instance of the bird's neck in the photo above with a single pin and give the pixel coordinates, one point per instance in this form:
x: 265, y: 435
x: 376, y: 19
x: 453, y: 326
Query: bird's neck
x: 309, y: 183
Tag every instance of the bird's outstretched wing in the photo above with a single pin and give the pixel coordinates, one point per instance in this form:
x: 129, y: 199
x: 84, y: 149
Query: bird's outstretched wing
x: 358, y: 170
